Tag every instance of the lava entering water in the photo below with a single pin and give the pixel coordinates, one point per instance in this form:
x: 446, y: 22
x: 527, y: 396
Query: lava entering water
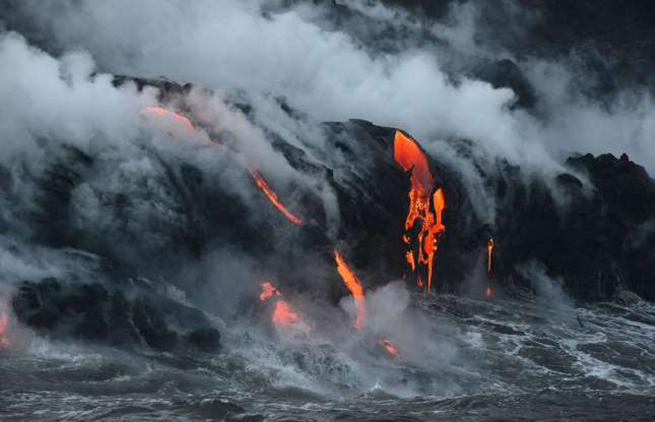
x: 409, y: 156
x: 4, y: 323
x: 259, y: 180
x: 354, y: 285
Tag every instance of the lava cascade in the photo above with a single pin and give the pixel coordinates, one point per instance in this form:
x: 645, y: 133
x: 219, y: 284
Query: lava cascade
x: 354, y: 285
x: 424, y: 205
x: 259, y: 180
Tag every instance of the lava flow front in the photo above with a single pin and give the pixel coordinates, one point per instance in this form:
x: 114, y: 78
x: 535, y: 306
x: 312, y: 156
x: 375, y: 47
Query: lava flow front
x: 283, y: 313
x: 424, y: 205
x: 354, y: 285
x: 259, y: 180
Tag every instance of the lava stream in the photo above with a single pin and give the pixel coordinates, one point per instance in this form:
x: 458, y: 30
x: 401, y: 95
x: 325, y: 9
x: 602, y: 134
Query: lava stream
x: 354, y: 285
x: 161, y: 110
x: 261, y: 183
x: 259, y: 180
x: 423, y: 205
x: 490, y: 249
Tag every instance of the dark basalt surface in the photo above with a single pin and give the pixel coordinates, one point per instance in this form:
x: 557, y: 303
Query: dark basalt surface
x: 129, y: 316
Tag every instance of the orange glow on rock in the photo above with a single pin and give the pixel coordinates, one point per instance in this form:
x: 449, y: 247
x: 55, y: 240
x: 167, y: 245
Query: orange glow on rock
x: 390, y: 348
x: 490, y: 292
x: 4, y: 324
x: 261, y: 183
x: 354, y: 285
x: 490, y: 249
x: 423, y: 205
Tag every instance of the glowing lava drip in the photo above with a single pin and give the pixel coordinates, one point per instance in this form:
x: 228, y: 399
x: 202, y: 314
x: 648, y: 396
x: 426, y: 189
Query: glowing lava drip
x: 490, y: 249
x: 4, y: 322
x: 409, y: 156
x: 354, y: 285
x: 259, y: 180
x: 283, y: 314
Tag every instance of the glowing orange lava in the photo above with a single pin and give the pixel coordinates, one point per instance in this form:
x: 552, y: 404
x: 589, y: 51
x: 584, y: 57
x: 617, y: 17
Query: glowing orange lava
x: 261, y: 183
x: 259, y: 180
x: 410, y: 260
x: 161, y: 110
x: 409, y: 156
x: 283, y: 314
x: 390, y: 348
x: 354, y: 285
x: 490, y: 292
x: 4, y: 323
x: 268, y: 291
x: 490, y: 249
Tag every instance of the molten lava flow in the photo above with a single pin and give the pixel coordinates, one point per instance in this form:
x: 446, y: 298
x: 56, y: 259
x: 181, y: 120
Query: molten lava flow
x: 261, y: 183
x: 259, y: 180
x: 4, y: 323
x: 160, y: 110
x: 354, y: 285
x: 268, y: 291
x: 409, y: 156
x: 410, y: 260
x: 490, y: 249
x: 489, y: 291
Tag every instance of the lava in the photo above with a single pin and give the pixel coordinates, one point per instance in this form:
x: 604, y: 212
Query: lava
x: 283, y: 314
x: 161, y: 110
x: 259, y: 180
x: 423, y: 204
x: 390, y: 348
x: 4, y: 323
x: 261, y: 183
x: 268, y: 291
x: 354, y: 285
x: 490, y: 249
x: 490, y: 292
x: 410, y: 260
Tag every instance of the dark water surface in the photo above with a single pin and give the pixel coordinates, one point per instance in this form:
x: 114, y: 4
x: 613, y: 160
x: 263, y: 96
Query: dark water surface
x: 511, y: 359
